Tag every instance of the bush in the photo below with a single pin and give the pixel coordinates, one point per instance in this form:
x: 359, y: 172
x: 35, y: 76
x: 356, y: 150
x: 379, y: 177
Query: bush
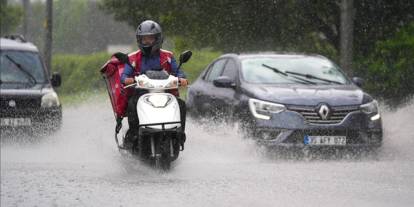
x: 80, y: 73
x: 389, y: 70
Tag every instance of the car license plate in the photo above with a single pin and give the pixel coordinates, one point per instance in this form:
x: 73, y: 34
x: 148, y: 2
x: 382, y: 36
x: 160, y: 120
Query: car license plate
x: 15, y: 122
x: 324, y: 140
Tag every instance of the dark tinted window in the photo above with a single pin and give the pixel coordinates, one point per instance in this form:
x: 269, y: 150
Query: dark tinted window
x: 21, y: 67
x: 216, y: 70
x: 230, y: 70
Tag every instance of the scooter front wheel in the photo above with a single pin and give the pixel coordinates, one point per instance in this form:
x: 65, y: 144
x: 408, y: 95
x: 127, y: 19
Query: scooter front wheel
x: 162, y: 163
x: 162, y: 159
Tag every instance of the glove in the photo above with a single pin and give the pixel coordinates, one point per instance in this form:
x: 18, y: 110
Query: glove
x: 183, y: 82
x: 122, y: 57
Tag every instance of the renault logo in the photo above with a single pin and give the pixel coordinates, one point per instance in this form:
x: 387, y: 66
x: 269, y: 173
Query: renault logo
x: 324, y: 111
x: 12, y: 103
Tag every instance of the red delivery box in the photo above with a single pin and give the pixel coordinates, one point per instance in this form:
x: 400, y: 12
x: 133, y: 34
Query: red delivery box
x: 111, y: 72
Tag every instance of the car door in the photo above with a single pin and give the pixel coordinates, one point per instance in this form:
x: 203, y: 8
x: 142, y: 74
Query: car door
x: 225, y: 97
x: 204, y: 94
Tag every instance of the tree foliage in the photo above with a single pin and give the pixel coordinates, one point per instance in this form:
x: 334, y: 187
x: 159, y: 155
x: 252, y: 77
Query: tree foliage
x: 10, y: 17
x: 389, y: 70
x: 78, y: 27
x: 233, y: 25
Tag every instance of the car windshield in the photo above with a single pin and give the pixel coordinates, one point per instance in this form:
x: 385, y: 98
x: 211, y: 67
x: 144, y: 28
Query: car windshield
x: 21, y: 67
x: 292, y: 70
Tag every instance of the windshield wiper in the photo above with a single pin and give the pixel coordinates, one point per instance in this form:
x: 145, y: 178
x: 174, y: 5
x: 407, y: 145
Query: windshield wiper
x: 21, y: 68
x: 286, y: 74
x: 313, y: 77
x: 309, y: 76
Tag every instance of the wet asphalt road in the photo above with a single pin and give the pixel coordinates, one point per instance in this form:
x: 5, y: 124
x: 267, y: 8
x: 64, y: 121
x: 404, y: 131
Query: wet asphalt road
x: 80, y: 166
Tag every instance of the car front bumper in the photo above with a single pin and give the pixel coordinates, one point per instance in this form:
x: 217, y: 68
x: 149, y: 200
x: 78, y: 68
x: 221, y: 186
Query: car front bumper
x: 289, y: 128
x: 33, y: 119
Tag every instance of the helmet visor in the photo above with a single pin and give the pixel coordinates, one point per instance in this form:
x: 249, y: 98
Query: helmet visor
x: 147, y: 40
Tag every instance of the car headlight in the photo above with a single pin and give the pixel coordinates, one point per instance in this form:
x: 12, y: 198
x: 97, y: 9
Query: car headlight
x: 263, y: 110
x: 370, y: 108
x: 50, y: 100
x: 158, y: 101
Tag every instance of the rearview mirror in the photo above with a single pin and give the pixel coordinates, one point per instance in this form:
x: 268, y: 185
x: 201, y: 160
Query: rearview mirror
x: 224, y: 82
x: 56, y: 79
x: 185, y: 56
x: 358, y: 81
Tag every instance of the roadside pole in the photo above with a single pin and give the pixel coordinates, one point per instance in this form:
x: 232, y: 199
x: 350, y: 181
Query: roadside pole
x: 347, y: 35
x: 26, y: 5
x: 48, y: 36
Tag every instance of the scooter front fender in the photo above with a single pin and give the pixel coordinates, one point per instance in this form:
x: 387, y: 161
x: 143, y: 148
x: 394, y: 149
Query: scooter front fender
x: 155, y: 108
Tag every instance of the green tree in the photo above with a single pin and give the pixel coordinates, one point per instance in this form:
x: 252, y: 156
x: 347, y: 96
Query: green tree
x: 228, y: 25
x: 389, y: 70
x: 78, y: 27
x: 10, y: 17
x: 233, y: 25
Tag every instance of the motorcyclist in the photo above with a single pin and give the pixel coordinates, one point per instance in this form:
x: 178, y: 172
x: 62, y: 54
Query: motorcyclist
x: 150, y: 56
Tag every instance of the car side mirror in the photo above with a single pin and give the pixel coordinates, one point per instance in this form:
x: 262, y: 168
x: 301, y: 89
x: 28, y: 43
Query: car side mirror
x: 224, y: 82
x: 358, y: 81
x: 56, y: 79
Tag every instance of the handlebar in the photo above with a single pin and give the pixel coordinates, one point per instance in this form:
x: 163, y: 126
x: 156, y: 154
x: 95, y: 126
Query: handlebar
x: 130, y: 85
x: 140, y: 87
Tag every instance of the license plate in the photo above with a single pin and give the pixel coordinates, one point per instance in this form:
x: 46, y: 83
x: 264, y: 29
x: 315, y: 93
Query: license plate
x: 324, y: 140
x: 15, y: 122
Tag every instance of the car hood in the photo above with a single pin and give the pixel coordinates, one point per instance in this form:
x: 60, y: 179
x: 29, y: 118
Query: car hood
x: 334, y: 95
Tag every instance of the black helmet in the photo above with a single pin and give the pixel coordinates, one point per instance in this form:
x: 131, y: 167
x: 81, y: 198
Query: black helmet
x: 149, y: 27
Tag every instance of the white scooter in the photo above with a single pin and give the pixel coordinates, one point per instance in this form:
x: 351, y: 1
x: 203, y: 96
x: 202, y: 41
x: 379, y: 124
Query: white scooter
x: 160, y: 135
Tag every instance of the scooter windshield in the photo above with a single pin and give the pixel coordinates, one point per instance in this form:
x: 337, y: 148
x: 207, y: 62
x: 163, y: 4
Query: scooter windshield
x: 157, y: 74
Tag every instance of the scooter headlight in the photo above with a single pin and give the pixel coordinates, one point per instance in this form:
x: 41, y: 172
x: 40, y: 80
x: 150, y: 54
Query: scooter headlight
x: 263, y: 109
x: 172, y: 84
x: 145, y: 84
x: 158, y: 101
x: 143, y: 81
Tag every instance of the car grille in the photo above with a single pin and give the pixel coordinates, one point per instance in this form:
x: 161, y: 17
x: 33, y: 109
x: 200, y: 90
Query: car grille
x: 19, y: 103
x: 336, y: 115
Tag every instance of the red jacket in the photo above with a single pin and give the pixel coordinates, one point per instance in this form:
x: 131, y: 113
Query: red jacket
x: 135, y: 59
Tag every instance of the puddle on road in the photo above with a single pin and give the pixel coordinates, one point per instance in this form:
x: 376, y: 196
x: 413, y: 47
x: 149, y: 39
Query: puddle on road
x: 87, y: 137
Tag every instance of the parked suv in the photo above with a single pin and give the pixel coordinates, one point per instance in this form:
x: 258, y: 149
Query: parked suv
x: 27, y: 97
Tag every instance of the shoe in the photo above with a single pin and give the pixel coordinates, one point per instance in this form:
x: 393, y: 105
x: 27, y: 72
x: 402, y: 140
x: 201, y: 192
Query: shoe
x: 127, y: 140
x: 182, y: 141
x: 126, y: 144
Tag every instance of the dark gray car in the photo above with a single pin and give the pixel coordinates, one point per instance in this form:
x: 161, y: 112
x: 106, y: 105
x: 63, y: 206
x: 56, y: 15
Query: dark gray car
x: 288, y: 100
x: 27, y: 97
